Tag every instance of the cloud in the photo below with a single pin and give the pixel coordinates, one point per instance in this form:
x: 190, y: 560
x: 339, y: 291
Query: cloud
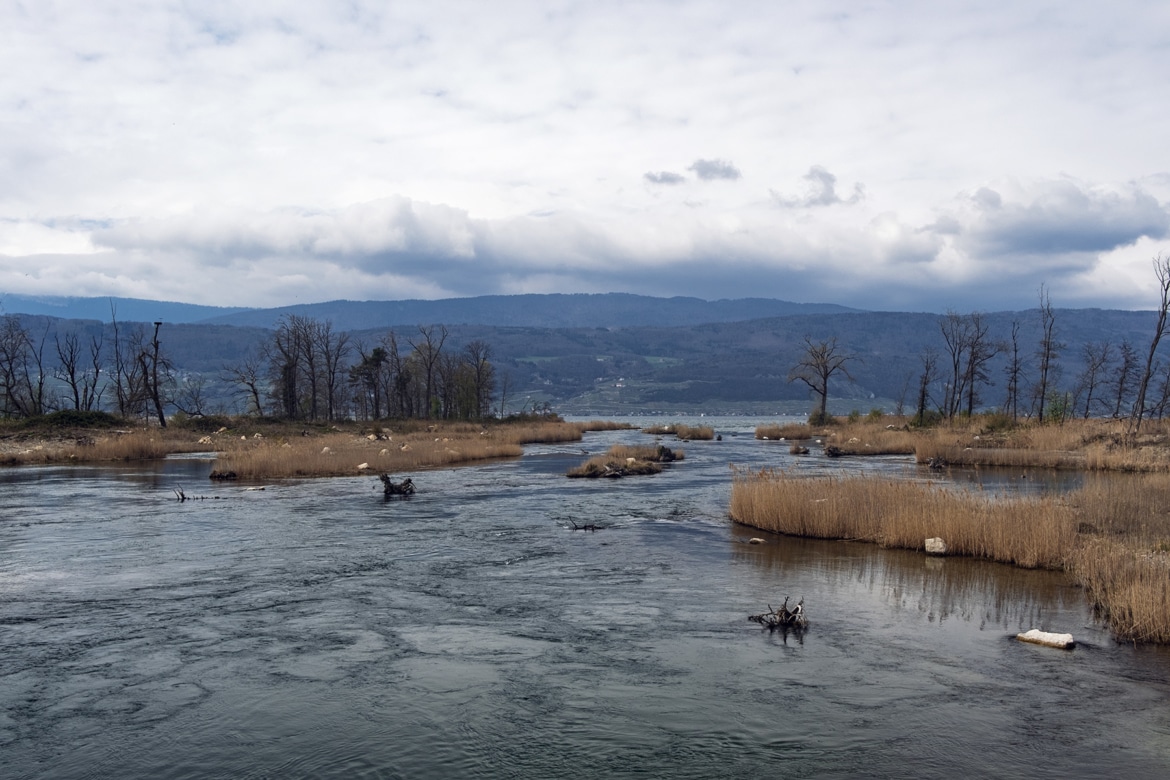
x: 220, y: 151
x: 712, y: 170
x: 822, y: 191
x: 1058, y: 218
x: 664, y: 177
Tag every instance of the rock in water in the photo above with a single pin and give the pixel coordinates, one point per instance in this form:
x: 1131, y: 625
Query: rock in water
x: 936, y: 546
x: 1038, y: 637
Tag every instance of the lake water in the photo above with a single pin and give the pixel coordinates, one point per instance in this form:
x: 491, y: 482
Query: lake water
x: 314, y: 629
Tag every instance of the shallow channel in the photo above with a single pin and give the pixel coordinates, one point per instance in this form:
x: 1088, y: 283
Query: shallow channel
x: 314, y: 629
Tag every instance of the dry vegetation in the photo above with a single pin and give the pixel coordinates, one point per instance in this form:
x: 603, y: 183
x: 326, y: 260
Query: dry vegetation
x: 1112, y: 536
x: 624, y: 460
x: 789, y: 432
x: 991, y: 440
x: 255, y: 449
x: 683, y: 432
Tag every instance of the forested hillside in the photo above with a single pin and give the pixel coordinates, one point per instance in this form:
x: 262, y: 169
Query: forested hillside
x: 712, y: 367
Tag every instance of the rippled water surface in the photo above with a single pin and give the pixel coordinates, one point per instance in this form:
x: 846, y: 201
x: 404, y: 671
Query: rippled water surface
x: 313, y: 629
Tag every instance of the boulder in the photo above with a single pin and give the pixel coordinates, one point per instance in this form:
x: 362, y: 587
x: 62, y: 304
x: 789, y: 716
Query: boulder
x: 1038, y: 637
x: 936, y: 546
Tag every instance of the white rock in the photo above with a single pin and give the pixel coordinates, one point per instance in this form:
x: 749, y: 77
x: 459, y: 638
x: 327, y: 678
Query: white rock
x: 325, y: 450
x: 756, y: 540
x: 1038, y: 637
x: 936, y: 546
x: 363, y: 466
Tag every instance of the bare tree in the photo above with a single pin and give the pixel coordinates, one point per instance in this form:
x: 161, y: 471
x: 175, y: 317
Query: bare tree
x: 156, y: 370
x: 428, y: 349
x: 71, y: 369
x: 1046, y: 353
x: 1162, y: 272
x: 334, y: 349
x: 478, y: 355
x: 821, y: 361
x: 23, y: 376
x: 249, y: 374
x: 956, y: 333
x: 929, y: 358
x: 1097, y: 357
x: 1123, y: 376
x: 1014, y: 371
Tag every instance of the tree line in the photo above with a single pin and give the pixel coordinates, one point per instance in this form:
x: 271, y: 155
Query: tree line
x: 306, y: 370
x: 1117, y: 380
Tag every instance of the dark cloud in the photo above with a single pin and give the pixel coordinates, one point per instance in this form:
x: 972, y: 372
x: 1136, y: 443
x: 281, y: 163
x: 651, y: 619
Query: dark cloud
x: 664, y: 177
x: 710, y: 170
x: 1063, y: 218
x: 821, y: 191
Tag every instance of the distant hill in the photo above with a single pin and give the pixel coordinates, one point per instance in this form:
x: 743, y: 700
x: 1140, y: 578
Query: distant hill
x: 607, y: 310
x: 694, y: 355
x: 127, y: 309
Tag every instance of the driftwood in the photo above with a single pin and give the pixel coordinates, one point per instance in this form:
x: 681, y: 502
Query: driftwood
x: 392, y: 488
x: 783, y: 617
x: 586, y: 526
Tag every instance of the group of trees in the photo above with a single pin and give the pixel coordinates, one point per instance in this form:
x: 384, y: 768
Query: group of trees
x: 306, y: 370
x: 1113, y: 382
x: 309, y: 371
x: 134, y: 371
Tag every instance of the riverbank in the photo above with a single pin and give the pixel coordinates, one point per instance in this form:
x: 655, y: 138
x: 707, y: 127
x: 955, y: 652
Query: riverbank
x: 1111, y: 537
x: 993, y: 440
x: 257, y: 448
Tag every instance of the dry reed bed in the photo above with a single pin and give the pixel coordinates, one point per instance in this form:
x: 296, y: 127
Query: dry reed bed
x: 683, y: 432
x: 1028, y: 533
x: 341, y: 454
x: 623, y: 460
x: 790, y: 431
x: 1111, y: 536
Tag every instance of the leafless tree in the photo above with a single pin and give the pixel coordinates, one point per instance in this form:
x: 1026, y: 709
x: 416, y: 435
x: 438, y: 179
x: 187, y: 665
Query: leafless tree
x: 1097, y: 357
x: 82, y: 380
x: 1162, y: 272
x: 22, y: 375
x: 249, y: 375
x: 428, y: 348
x: 822, y: 360
x: 1123, y: 377
x: 1014, y: 371
x: 1046, y: 353
x: 929, y: 358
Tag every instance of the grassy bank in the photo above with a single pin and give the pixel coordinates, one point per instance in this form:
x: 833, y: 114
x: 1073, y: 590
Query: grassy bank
x: 1112, y: 536
x: 683, y: 432
x: 622, y: 460
x: 993, y: 440
x: 254, y: 449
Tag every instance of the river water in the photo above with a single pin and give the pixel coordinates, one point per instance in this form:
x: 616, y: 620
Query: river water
x: 315, y: 629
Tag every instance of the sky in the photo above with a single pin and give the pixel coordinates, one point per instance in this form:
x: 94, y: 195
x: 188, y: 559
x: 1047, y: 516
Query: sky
x: 912, y: 155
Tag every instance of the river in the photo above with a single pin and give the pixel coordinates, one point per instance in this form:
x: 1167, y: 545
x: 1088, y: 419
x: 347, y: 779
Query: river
x: 315, y: 629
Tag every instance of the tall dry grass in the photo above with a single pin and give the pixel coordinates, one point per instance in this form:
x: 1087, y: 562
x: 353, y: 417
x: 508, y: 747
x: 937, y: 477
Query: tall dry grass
x: 682, y: 431
x: 1026, y: 532
x: 789, y: 431
x: 1112, y: 535
x: 339, y: 454
x: 625, y: 460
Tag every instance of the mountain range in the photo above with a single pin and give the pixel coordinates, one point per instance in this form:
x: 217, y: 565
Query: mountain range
x: 616, y: 353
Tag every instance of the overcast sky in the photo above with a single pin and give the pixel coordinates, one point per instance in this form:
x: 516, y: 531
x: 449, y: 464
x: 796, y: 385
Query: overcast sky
x: 903, y: 155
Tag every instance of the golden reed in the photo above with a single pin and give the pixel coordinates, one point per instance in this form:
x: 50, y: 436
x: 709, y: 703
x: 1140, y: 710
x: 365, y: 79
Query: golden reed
x: 1112, y: 536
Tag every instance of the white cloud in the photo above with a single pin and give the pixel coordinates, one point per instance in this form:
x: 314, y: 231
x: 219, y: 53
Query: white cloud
x: 321, y: 150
